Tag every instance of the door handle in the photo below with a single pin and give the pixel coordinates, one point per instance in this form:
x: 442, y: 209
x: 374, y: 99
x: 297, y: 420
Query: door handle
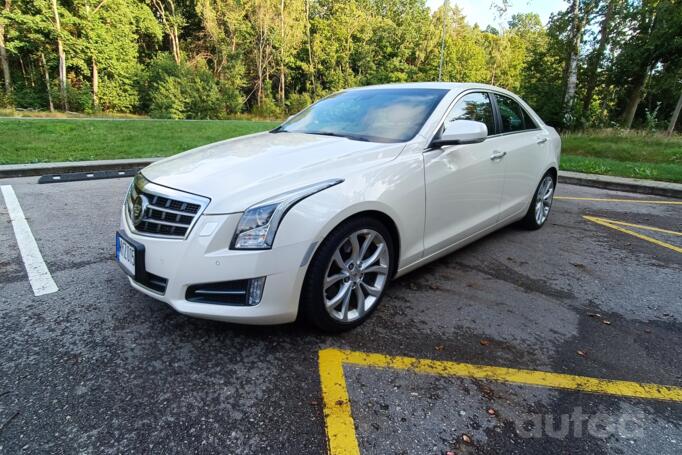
x: 498, y: 156
x: 542, y: 140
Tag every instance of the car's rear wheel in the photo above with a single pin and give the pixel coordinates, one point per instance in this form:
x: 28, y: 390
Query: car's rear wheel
x: 541, y: 204
x: 348, y: 275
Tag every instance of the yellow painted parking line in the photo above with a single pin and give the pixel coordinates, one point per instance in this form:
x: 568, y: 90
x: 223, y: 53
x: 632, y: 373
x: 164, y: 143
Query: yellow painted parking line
x: 339, y: 423
x: 617, y: 225
x: 636, y: 201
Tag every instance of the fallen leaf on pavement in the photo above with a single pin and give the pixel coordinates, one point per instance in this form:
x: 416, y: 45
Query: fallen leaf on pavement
x: 491, y: 412
x: 439, y: 347
x: 466, y: 438
x: 485, y: 342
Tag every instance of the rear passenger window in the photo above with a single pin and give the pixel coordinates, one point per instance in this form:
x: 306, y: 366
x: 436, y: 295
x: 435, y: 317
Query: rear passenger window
x: 473, y: 106
x: 514, y: 118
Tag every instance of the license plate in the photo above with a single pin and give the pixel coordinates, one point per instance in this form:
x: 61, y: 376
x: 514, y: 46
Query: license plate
x: 125, y: 255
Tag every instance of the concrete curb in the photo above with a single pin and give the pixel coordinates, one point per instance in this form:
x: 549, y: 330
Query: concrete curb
x: 607, y: 182
x: 573, y: 178
x: 33, y: 169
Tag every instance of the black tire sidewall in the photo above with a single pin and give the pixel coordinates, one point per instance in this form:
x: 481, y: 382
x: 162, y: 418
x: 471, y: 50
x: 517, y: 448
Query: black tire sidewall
x: 529, y: 221
x: 312, y: 302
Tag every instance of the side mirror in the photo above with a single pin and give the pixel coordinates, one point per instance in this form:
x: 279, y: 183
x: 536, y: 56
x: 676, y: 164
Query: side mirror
x: 462, y: 132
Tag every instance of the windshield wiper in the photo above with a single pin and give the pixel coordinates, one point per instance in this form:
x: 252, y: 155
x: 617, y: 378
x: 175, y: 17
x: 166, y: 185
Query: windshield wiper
x: 347, y: 136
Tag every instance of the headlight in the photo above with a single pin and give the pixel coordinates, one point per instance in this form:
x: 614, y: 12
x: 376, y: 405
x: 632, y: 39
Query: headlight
x: 259, y: 223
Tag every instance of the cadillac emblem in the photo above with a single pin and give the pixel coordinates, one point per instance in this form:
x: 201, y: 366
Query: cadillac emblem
x: 138, y: 208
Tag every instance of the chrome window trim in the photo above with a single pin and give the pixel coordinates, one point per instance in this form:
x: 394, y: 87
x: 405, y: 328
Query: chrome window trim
x: 463, y: 93
x: 141, y: 183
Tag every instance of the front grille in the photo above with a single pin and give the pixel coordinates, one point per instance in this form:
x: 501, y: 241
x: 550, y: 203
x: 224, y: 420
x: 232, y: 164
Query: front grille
x: 160, y: 211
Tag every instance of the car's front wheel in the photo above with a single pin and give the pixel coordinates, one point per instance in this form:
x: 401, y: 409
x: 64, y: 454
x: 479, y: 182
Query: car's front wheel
x: 348, y: 275
x: 541, y: 204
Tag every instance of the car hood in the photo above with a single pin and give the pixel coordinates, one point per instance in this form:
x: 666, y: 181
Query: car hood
x: 238, y: 173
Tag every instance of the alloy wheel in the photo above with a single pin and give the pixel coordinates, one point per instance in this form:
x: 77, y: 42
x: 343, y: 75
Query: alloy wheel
x: 356, y: 275
x: 543, y: 199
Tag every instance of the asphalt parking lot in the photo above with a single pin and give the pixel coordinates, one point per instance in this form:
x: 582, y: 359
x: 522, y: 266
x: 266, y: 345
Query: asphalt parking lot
x: 96, y: 367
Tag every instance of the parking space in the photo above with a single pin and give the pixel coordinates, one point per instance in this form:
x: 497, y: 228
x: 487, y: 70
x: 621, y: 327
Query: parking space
x: 96, y: 367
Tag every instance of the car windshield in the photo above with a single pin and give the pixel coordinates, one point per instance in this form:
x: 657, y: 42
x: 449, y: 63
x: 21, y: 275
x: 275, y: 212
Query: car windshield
x: 374, y: 115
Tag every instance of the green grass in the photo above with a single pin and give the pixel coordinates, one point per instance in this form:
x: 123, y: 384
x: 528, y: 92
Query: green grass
x: 43, y: 140
x: 624, y: 154
x: 608, y: 152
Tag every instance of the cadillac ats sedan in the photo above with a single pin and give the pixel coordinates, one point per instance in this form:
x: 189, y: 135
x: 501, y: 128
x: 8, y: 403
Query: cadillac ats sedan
x: 314, y: 218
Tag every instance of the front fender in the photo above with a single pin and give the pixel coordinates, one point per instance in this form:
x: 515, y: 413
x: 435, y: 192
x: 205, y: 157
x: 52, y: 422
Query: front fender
x: 395, y: 189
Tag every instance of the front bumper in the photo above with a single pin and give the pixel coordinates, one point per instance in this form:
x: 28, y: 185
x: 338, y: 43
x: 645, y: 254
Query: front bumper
x: 205, y: 257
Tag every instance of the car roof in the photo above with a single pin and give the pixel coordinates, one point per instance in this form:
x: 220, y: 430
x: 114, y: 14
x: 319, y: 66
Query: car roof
x: 454, y: 86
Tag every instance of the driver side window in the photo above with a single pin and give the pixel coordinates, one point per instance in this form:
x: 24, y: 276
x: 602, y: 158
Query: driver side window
x: 473, y: 106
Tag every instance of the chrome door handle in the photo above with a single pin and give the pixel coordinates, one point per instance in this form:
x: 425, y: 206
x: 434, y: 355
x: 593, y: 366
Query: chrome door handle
x: 542, y: 140
x: 498, y: 155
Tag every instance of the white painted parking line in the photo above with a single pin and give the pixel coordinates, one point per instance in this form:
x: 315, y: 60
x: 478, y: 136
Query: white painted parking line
x: 38, y: 274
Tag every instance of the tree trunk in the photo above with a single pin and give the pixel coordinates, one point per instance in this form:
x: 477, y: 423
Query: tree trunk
x: 3, y: 55
x: 171, y: 27
x: 23, y: 70
x: 95, y: 84
x: 572, y: 68
x: 281, y: 54
x: 442, y: 42
x: 311, y: 62
x: 634, y: 99
x: 175, y: 43
x: 676, y: 115
x: 62, y: 57
x: 47, y: 81
x: 174, y: 34
x: 595, y: 62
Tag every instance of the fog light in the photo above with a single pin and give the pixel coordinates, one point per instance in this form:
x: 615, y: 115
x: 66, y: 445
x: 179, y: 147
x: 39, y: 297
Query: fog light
x: 256, y: 286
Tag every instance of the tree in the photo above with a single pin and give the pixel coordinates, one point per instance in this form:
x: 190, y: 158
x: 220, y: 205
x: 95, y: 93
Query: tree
x: 111, y: 53
x: 675, y: 116
x: 3, y: 52
x: 61, y: 55
x: 580, y: 17
x: 654, y: 40
x: 172, y: 22
x: 290, y: 37
x: 32, y: 36
x: 597, y: 55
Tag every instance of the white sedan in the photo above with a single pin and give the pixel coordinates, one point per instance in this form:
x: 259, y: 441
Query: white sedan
x: 317, y: 216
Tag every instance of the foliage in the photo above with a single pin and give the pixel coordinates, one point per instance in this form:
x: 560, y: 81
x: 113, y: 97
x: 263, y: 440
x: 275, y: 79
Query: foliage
x: 217, y: 58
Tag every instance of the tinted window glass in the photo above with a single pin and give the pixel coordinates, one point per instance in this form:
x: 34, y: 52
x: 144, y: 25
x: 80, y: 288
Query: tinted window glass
x: 528, y: 121
x: 474, y: 106
x: 514, y: 118
x: 377, y: 115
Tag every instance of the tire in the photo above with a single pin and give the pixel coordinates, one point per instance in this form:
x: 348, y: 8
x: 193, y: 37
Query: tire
x: 360, y: 269
x: 544, y: 194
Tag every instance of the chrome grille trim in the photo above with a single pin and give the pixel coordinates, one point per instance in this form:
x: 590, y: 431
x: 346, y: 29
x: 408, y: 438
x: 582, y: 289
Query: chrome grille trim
x: 157, y: 211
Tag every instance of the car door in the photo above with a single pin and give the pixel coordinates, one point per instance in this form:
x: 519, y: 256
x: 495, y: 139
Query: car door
x: 463, y: 182
x: 525, y: 147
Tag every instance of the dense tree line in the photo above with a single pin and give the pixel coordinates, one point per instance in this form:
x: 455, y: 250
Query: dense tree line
x: 598, y: 63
